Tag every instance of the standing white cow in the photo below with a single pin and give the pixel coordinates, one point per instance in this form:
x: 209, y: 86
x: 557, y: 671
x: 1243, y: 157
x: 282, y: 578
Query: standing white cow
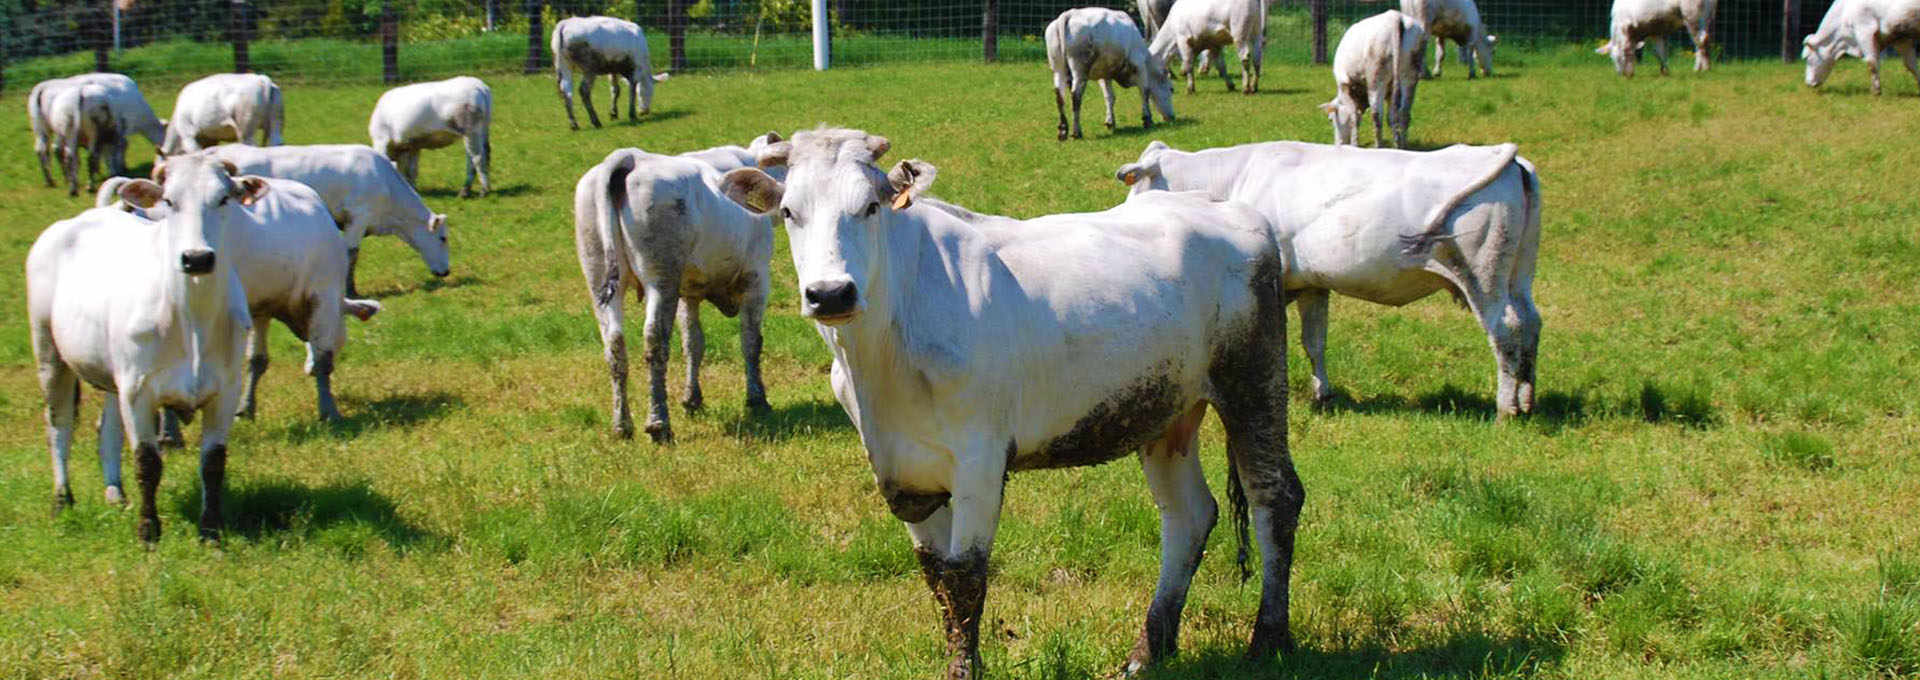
x: 1388, y: 227
x: 1094, y: 43
x: 411, y: 118
x: 1152, y: 14
x: 592, y: 46
x: 1864, y: 29
x: 1637, y: 22
x: 66, y: 118
x: 225, y: 107
x: 1196, y: 27
x: 1374, y: 69
x: 1456, y: 20
x: 365, y: 193
x: 659, y: 225
x: 165, y: 330
x: 127, y: 109
x: 966, y: 349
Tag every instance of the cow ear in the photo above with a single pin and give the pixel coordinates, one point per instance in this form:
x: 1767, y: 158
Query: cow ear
x: 752, y: 189
x: 159, y: 173
x: 774, y: 155
x: 1330, y: 107
x: 878, y: 146
x: 1132, y: 173
x: 773, y: 137
x: 140, y: 193
x: 437, y: 224
x: 232, y: 170
x: 910, y: 178
x: 252, y: 187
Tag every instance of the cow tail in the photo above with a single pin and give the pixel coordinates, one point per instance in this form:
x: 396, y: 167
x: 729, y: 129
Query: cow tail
x: 37, y: 112
x: 612, y: 199
x: 276, y: 115
x: 1419, y: 246
x: 360, y: 309
x: 1237, y: 502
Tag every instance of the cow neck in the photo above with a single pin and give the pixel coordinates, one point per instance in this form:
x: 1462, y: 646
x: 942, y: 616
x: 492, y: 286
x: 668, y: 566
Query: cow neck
x: 200, y: 303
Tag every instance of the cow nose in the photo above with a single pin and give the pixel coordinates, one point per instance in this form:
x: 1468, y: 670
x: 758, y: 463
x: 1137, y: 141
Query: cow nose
x: 831, y: 298
x: 196, y: 261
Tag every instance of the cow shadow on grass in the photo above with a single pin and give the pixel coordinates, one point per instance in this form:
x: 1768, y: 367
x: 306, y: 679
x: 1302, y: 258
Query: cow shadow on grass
x: 1553, y: 410
x: 1159, y: 126
x: 425, y: 285
x: 506, y: 191
x: 343, y: 514
x: 1467, y: 654
x: 789, y: 420
x: 399, y: 411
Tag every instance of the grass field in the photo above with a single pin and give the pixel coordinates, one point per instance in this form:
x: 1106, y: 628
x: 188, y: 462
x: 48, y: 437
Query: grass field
x: 1721, y: 481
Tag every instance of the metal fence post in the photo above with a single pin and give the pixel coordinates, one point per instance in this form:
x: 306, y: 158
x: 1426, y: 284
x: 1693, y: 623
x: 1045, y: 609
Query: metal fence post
x: 1320, y: 31
x: 1789, y: 30
x: 532, y: 8
x: 822, y: 43
x: 389, y: 44
x: 237, y: 32
x: 990, y: 31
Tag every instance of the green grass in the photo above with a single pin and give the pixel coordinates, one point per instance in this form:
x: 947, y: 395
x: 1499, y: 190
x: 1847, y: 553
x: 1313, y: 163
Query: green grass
x: 1720, y: 481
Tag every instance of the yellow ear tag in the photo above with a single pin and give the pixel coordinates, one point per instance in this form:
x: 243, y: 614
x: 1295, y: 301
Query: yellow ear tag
x: 902, y: 200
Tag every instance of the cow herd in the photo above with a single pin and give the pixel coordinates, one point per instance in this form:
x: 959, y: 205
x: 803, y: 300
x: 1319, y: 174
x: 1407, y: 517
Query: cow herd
x: 965, y: 346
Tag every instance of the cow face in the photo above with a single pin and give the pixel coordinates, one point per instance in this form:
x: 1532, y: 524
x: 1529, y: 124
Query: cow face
x: 1345, y: 116
x: 1159, y: 86
x: 200, y: 195
x: 1144, y: 175
x: 1820, y: 59
x: 430, y: 241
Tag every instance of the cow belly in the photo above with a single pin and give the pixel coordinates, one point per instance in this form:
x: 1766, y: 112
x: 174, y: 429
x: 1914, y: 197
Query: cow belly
x: 433, y: 140
x: 1394, y: 291
x: 1115, y: 427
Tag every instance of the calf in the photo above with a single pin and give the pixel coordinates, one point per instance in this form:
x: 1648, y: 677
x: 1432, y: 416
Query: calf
x: 1456, y: 20
x: 365, y: 193
x: 68, y: 117
x: 224, y: 107
x: 966, y: 348
x: 1388, y: 227
x: 1864, y: 29
x: 153, y: 313
x: 1374, y: 70
x: 1195, y: 27
x: 127, y: 110
x: 660, y: 225
x: 1636, y: 22
x: 593, y: 46
x: 1093, y: 43
x: 411, y: 118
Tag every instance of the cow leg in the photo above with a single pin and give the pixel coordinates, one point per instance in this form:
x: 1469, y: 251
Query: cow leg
x: 93, y: 161
x: 566, y: 89
x: 142, y: 420
x: 1907, y: 55
x: 1146, y: 104
x: 1872, y: 57
x: 1059, y: 105
x: 958, y: 575
x: 661, y: 300
x: 1079, y: 89
x: 613, y: 90
x: 1220, y: 62
x: 70, y: 162
x: 61, y: 387
x: 170, y: 435
x: 693, y: 341
x: 1660, y: 52
x: 1377, y: 101
x: 1314, y: 303
x: 1186, y: 64
x: 477, y: 153
x: 1187, y: 516
x: 320, y: 366
x: 586, y: 98
x: 353, y: 263
x: 257, y: 361
x: 113, y: 438
x: 613, y: 341
x: 411, y: 168
x: 213, y: 462
x: 1439, y: 55
x: 633, y: 96
x: 1249, y: 84
x: 752, y: 311
x: 1106, y: 91
x: 44, y: 148
x: 1700, y: 39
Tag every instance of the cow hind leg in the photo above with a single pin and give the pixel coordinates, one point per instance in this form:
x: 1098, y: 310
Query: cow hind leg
x: 477, y: 159
x: 565, y: 78
x: 1700, y: 42
x: 1220, y: 63
x: 1106, y: 91
x: 633, y: 95
x: 45, y: 151
x: 661, y: 302
x: 1660, y: 52
x: 1313, y: 305
x: 1187, y: 516
x: 1872, y: 57
x: 320, y: 366
x: 752, y: 313
x: 61, y: 386
x: 586, y: 99
x: 693, y: 341
x: 613, y: 343
x: 142, y: 420
x: 113, y: 438
x: 1907, y: 55
x: 1059, y: 105
x: 1079, y: 90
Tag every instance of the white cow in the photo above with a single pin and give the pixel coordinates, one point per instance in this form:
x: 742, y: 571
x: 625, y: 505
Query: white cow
x: 1374, y: 69
x: 225, y: 107
x: 1195, y: 27
x: 1093, y: 43
x: 732, y: 157
x: 127, y: 109
x: 1152, y: 14
x: 365, y: 193
x: 1388, y: 227
x: 411, y: 118
x: 964, y: 350
x: 1456, y: 20
x: 1637, y: 22
x: 293, y: 269
x: 659, y: 225
x: 67, y: 117
x: 592, y: 46
x: 166, y: 330
x: 1864, y: 29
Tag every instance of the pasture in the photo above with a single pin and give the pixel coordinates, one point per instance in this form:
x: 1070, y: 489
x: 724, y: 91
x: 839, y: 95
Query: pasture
x: 1720, y: 480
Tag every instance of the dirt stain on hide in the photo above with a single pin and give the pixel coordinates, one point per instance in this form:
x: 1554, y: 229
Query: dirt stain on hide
x: 912, y: 506
x: 1114, y: 428
x: 594, y: 62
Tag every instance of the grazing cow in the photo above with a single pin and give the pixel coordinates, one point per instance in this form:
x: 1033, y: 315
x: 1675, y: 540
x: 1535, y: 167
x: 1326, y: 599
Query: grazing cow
x: 1196, y: 27
x: 659, y: 224
x: 1152, y: 14
x: 365, y: 193
x: 1637, y: 22
x: 1093, y: 43
x: 1374, y: 69
x: 1864, y: 29
x: 616, y: 48
x: 287, y: 250
x: 127, y: 109
x: 1456, y: 20
x: 1388, y: 227
x: 731, y: 157
x: 967, y: 347
x: 225, y: 107
x: 68, y: 117
x: 432, y: 115
x: 165, y: 330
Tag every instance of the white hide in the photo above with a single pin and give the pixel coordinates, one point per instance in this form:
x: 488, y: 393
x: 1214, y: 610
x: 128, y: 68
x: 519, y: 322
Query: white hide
x: 593, y: 46
x: 410, y: 118
x: 1637, y: 22
x: 152, y: 312
x: 659, y: 225
x: 1375, y: 70
x: 1093, y: 43
x: 1196, y: 26
x: 1388, y: 227
x: 733, y: 157
x: 67, y: 117
x: 1458, y: 21
x: 225, y: 107
x: 1152, y: 14
x: 1864, y: 29
x: 127, y: 110
x: 965, y: 349
x: 365, y: 193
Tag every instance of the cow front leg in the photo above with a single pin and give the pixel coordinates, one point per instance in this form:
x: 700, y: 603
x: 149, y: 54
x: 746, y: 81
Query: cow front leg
x: 693, y: 341
x: 1187, y: 516
x: 1873, y: 67
x: 353, y: 263
x: 752, y: 313
x: 113, y: 438
x: 320, y: 365
x: 1660, y: 52
x: 1439, y: 55
x: 257, y: 362
x: 213, y: 462
x: 566, y: 93
x: 660, y: 302
x: 61, y: 386
x: 1700, y: 42
x: 613, y: 90
x: 1186, y: 65
x: 1313, y: 304
x: 142, y: 419
x: 586, y: 99
x: 1906, y: 50
x: 959, y: 576
x: 1220, y: 62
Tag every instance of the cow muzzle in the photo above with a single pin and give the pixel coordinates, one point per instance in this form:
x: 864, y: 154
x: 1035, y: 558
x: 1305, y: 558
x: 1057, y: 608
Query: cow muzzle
x: 831, y: 302
x: 197, y: 261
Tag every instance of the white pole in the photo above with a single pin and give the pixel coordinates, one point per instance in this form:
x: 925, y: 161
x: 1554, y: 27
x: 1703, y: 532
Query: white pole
x: 820, y: 43
x: 116, y: 27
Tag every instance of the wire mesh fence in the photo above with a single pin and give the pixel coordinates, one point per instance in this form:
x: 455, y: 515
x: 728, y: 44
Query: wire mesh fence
x: 405, y: 40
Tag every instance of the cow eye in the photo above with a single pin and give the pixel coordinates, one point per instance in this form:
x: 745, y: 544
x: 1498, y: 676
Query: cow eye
x: 786, y: 214
x: 872, y: 207
x: 224, y: 199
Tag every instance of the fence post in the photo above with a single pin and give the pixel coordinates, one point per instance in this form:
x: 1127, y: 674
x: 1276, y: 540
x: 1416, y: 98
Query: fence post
x: 533, y: 36
x: 102, y: 43
x: 990, y: 31
x: 677, y: 34
x: 389, y: 44
x: 237, y: 32
x: 1789, y: 30
x: 1320, y: 31
x: 822, y: 45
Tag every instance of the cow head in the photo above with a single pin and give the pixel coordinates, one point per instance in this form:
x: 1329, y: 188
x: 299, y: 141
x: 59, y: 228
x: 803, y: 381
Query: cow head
x: 1483, y: 51
x: 839, y: 210
x: 1622, y: 50
x: 1820, y: 57
x: 1159, y: 86
x: 1143, y: 175
x: 1345, y: 115
x: 200, y: 195
x: 430, y: 241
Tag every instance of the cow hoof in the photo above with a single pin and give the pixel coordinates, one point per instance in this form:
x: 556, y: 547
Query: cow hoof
x: 148, y: 530
x: 331, y: 416
x: 1077, y: 135
x: 1109, y: 126
x: 210, y: 534
x: 465, y: 194
x: 623, y: 429
x: 1063, y: 134
x: 574, y: 126
x: 116, y: 497
x: 694, y: 404
x: 660, y: 432
x: 61, y: 501
x: 1146, y: 123
x: 759, y: 406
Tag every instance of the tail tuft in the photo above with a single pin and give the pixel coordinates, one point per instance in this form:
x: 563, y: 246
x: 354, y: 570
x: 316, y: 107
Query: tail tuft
x: 1237, y: 499
x: 361, y: 309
